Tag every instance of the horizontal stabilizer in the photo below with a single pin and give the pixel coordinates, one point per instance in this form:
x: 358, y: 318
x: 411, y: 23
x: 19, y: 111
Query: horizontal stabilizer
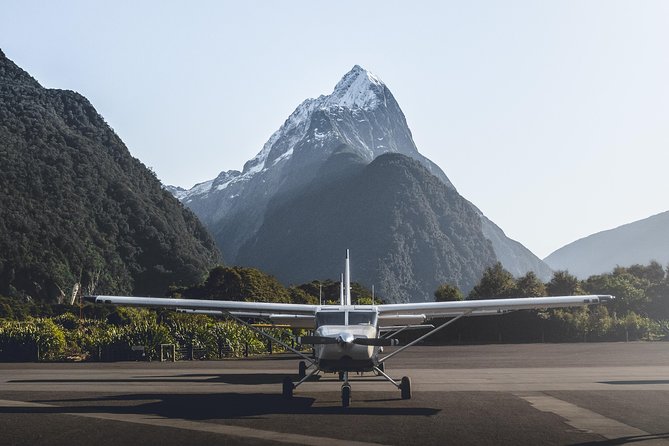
x: 376, y: 342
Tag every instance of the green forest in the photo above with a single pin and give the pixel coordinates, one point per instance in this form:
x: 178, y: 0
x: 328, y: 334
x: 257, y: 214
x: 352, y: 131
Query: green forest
x: 40, y: 331
x: 76, y: 207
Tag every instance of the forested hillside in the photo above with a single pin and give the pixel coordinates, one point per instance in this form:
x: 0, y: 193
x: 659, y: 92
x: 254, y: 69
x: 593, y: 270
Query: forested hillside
x: 408, y: 232
x: 75, y: 206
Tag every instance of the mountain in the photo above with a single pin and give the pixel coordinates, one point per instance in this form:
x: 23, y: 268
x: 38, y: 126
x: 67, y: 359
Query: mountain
x: 360, y: 119
x: 407, y: 230
x: 634, y: 243
x: 75, y: 206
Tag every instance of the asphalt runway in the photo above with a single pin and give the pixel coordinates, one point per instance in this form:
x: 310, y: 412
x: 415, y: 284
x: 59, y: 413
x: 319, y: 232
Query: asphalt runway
x: 530, y: 394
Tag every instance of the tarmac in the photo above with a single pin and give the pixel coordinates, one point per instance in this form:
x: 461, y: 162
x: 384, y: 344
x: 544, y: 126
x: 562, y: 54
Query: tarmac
x: 528, y: 394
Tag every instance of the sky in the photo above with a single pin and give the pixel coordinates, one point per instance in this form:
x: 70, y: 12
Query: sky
x: 552, y: 117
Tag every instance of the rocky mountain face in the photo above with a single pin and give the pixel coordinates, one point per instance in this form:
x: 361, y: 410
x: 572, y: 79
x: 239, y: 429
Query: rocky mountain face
x: 635, y: 243
x: 75, y: 206
x: 408, y: 231
x: 359, y: 121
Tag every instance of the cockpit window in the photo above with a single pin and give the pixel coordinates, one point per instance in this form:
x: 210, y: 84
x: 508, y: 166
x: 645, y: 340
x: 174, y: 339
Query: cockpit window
x: 362, y: 318
x: 330, y: 318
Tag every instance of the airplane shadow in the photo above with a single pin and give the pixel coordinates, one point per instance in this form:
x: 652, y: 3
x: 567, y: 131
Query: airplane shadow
x: 640, y: 439
x: 209, y: 406
x: 637, y: 382
x: 227, y: 378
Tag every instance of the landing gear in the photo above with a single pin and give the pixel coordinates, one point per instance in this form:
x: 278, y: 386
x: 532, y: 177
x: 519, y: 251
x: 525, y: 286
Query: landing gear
x: 345, y: 395
x: 302, y: 370
x: 341, y: 376
x: 381, y: 367
x: 404, y: 385
x: 288, y: 387
x: 405, y: 388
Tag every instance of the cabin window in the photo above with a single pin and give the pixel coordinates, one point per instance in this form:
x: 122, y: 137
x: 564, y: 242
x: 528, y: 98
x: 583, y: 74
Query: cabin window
x: 362, y: 318
x: 330, y: 318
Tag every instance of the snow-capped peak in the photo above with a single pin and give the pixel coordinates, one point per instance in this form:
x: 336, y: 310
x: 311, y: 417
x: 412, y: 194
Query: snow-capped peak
x: 358, y: 88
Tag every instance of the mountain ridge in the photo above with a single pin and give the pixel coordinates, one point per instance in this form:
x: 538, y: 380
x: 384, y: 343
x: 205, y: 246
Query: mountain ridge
x: 638, y: 242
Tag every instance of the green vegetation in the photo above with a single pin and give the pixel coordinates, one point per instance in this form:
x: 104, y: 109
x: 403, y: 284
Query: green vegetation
x: 67, y: 337
x: 447, y: 292
x: 640, y: 310
x: 32, y: 330
x: 76, y: 207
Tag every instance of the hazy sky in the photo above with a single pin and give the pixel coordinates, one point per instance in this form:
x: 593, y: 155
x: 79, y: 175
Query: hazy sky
x: 551, y: 117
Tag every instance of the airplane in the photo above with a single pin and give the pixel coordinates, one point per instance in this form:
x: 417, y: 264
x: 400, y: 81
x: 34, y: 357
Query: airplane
x: 350, y: 338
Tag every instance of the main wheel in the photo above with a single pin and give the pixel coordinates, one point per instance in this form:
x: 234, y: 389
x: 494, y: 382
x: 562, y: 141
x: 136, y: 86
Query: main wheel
x: 288, y: 388
x: 405, y: 388
x: 341, y: 376
x: 302, y: 369
x: 345, y: 395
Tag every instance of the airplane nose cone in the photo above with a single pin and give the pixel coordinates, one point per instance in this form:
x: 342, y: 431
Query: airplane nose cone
x: 345, y: 338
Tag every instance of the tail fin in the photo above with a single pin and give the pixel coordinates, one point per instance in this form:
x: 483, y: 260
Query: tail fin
x: 348, y: 280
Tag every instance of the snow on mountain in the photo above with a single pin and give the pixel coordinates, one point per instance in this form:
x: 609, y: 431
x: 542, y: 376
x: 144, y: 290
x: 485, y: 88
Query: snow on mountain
x: 356, y: 94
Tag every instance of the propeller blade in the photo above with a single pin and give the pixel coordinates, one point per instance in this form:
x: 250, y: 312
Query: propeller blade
x: 316, y: 340
x: 376, y: 342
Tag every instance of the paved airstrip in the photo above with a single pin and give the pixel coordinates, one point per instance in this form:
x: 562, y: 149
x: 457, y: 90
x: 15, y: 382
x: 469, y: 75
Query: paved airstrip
x: 577, y: 394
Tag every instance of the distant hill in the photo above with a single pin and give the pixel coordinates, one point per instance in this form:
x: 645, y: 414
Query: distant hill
x: 76, y: 206
x: 362, y: 120
x: 633, y: 243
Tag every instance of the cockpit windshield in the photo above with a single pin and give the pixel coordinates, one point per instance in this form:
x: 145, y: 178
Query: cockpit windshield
x: 362, y: 318
x: 330, y: 318
x: 339, y: 318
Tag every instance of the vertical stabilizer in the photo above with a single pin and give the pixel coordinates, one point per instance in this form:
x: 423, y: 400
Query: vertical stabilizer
x: 348, y: 280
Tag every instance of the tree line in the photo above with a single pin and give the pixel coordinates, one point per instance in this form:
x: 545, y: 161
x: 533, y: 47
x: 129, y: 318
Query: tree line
x: 640, y: 310
x: 35, y: 330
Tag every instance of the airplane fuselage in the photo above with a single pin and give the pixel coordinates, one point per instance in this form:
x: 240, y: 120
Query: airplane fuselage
x: 345, y: 355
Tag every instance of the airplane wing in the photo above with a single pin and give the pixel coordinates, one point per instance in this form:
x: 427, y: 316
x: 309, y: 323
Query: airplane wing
x: 486, y: 307
x: 303, y: 315
x: 201, y: 306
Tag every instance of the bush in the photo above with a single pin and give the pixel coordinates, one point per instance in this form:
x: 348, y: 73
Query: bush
x: 34, y: 340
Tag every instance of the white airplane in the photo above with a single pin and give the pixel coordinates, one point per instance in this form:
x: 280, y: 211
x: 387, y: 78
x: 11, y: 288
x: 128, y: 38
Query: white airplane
x: 350, y: 338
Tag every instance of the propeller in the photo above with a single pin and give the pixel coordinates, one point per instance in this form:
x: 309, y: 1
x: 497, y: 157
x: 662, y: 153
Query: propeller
x: 343, y: 339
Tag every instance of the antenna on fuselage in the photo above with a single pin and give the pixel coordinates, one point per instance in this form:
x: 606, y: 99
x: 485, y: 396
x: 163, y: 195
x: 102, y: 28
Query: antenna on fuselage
x: 341, y: 289
x: 347, y: 274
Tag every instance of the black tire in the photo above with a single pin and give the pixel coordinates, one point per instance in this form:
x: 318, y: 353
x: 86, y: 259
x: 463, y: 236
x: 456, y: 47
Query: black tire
x: 288, y: 388
x: 382, y: 367
x: 405, y: 388
x: 341, y: 376
x: 345, y: 395
x: 302, y: 369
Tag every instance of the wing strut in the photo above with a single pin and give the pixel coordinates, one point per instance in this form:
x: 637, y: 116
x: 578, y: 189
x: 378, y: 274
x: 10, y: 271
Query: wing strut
x: 268, y: 336
x: 429, y: 333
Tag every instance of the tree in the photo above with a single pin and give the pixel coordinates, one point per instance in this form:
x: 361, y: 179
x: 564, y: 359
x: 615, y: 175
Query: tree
x: 653, y: 272
x: 237, y: 283
x: 630, y: 291
x: 563, y: 284
x: 530, y: 286
x: 496, y: 283
x: 448, y: 293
